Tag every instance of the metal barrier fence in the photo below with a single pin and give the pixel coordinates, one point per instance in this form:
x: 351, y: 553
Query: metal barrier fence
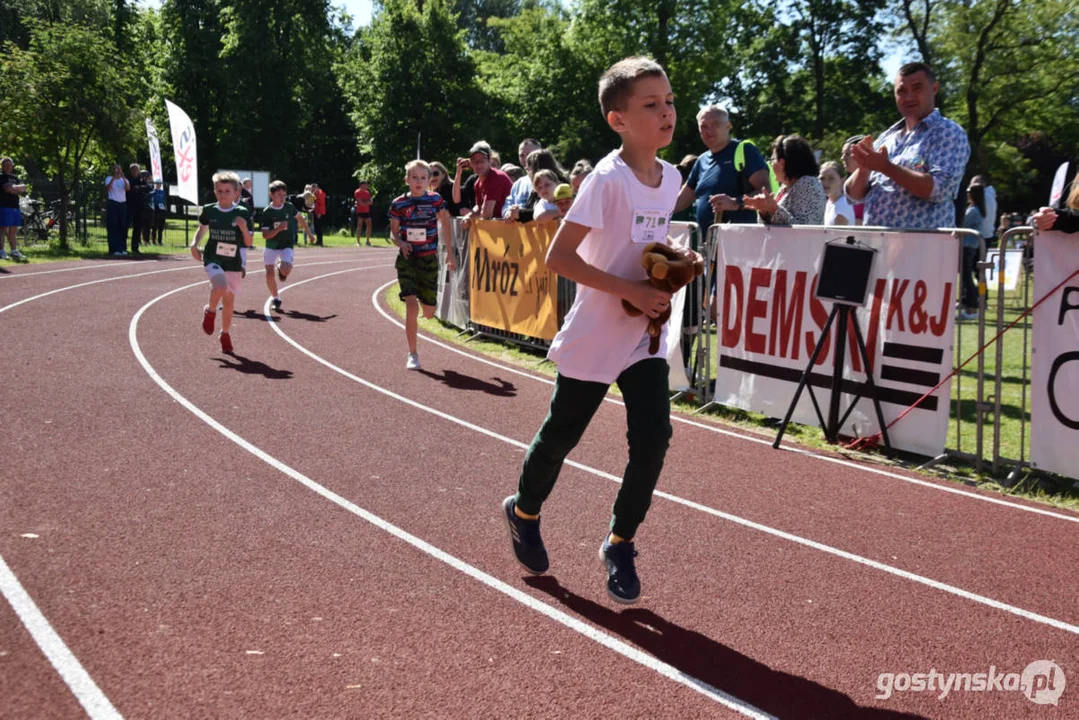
x: 974, y: 405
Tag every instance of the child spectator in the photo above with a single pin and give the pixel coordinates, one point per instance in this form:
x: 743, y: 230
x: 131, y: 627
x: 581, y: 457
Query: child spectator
x: 577, y: 175
x: 278, y: 224
x: 563, y: 198
x: 415, y: 218
x: 161, y: 211
x: 362, y: 196
x: 625, y: 205
x: 837, y: 210
x: 544, y: 183
x: 229, y: 230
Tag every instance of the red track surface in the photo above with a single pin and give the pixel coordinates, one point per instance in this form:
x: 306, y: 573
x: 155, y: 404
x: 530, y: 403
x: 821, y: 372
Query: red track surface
x: 189, y: 577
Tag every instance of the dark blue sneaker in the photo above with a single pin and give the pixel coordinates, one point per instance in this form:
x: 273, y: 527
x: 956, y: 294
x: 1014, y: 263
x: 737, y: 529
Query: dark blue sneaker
x: 276, y: 302
x: 527, y: 543
x: 623, y: 585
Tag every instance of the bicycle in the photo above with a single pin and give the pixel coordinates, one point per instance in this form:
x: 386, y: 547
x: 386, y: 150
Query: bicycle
x: 34, y: 221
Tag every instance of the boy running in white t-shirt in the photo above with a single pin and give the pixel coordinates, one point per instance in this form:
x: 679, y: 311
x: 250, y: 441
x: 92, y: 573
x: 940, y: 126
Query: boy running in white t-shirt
x: 278, y: 222
x: 625, y: 203
x: 229, y: 228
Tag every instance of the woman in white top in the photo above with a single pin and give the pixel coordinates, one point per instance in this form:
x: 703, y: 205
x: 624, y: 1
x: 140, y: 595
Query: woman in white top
x: 116, y: 186
x: 838, y: 211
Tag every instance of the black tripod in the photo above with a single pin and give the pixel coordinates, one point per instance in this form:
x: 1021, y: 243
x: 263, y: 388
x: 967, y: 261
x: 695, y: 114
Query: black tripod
x: 845, y: 314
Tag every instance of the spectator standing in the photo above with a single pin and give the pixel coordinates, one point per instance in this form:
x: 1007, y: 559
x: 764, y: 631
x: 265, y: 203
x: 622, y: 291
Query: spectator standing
x: 580, y: 171
x: 909, y: 176
x: 247, y: 199
x: 146, y: 212
x: 801, y: 199
x: 160, y: 213
x: 974, y: 219
x: 362, y: 196
x: 492, y: 185
x: 522, y: 187
x: 723, y: 176
x: 838, y: 211
x: 11, y: 189
x: 537, y: 161
x: 319, y: 211
x: 137, y: 188
x: 116, y: 186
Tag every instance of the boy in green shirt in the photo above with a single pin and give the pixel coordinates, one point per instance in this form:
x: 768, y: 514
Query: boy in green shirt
x: 229, y: 228
x: 278, y: 224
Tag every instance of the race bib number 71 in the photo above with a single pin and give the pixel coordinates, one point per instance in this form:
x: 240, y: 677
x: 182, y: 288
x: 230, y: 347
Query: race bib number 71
x: 649, y: 226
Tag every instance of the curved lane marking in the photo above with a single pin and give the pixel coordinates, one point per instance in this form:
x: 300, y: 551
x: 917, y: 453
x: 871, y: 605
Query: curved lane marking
x: 775, y: 532
x: 594, y: 634
x: 740, y: 436
x: 82, y: 686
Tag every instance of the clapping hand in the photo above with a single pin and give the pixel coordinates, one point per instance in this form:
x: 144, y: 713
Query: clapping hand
x: 865, y: 156
x: 765, y: 203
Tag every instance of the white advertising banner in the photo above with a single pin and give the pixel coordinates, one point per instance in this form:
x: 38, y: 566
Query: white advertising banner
x: 183, y: 143
x: 770, y: 321
x: 155, y: 152
x: 1054, y: 410
x: 1013, y: 267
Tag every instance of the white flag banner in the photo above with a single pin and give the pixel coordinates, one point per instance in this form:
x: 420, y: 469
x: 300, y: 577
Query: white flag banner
x: 155, y: 152
x: 770, y: 320
x: 1054, y: 408
x: 183, y: 143
x: 1057, y: 191
x: 679, y: 233
x: 1013, y: 268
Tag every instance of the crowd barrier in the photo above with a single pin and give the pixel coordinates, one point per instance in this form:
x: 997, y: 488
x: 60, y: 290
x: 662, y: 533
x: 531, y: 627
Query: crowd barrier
x: 909, y: 322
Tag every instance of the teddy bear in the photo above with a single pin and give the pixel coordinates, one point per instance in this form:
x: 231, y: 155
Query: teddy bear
x: 668, y: 269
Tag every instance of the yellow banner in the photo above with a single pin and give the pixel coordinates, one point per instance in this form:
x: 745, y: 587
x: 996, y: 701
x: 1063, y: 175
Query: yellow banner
x: 510, y: 287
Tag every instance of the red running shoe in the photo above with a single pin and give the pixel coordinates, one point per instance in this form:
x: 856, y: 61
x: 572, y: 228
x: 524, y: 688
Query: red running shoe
x: 226, y: 342
x: 208, y: 321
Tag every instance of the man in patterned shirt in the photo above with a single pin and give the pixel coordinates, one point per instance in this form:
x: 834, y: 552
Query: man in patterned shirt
x: 909, y: 177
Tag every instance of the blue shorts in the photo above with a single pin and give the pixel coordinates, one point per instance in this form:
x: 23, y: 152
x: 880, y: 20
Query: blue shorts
x: 10, y: 217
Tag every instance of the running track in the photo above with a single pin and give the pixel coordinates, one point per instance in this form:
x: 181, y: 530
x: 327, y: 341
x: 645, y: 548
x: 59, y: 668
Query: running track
x: 307, y: 530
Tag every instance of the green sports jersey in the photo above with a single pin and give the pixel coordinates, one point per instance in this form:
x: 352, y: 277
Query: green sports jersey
x: 270, y: 217
x: 225, y: 239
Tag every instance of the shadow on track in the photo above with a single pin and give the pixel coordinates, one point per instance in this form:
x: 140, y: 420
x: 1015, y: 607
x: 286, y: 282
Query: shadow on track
x: 297, y: 315
x: 456, y: 381
x: 774, y: 692
x: 253, y: 367
x: 255, y: 315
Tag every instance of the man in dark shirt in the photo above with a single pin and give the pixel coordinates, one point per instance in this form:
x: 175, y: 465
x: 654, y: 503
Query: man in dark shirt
x: 723, y: 175
x: 135, y: 200
x: 10, y: 216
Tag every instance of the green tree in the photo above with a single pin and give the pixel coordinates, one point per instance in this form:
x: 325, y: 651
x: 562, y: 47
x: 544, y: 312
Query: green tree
x: 63, y: 100
x: 409, y: 74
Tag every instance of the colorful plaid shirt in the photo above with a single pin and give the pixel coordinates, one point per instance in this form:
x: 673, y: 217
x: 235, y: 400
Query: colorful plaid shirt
x: 937, y: 146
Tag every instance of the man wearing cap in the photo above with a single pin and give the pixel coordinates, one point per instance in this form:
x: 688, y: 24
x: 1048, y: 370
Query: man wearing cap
x: 492, y: 185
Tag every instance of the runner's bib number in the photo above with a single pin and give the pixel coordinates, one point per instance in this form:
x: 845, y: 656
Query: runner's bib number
x: 417, y: 236
x: 226, y: 249
x: 649, y: 226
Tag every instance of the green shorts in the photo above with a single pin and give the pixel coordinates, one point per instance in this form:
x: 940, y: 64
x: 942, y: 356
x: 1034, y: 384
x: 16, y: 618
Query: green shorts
x: 418, y: 276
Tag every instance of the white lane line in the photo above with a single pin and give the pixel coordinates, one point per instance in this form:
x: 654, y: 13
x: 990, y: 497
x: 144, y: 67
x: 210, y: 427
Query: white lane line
x: 62, y: 270
x: 490, y: 581
x: 740, y: 436
x: 152, y: 272
x: 774, y: 532
x: 82, y: 686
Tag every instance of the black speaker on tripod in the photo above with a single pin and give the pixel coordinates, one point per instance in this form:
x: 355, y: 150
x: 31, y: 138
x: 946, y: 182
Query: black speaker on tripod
x: 846, y: 268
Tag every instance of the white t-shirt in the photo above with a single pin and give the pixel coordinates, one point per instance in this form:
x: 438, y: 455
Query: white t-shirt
x: 117, y: 191
x: 598, y: 340
x: 839, y: 208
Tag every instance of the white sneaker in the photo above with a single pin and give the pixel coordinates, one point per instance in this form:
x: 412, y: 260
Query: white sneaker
x: 3, y: 254
x: 413, y: 362
x: 16, y: 255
